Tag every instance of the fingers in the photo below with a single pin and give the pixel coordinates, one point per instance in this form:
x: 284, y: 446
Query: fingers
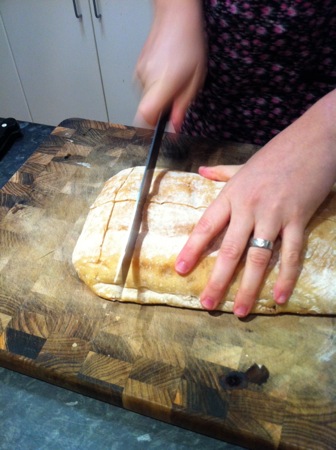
x: 155, y: 99
x: 233, y: 246
x: 230, y: 253
x: 165, y: 92
x: 291, y: 252
x: 257, y: 261
x: 219, y: 173
x: 185, y: 96
x: 210, y: 225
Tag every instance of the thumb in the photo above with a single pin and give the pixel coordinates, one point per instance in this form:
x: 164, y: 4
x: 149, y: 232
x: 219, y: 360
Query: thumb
x: 219, y: 173
x: 156, y: 99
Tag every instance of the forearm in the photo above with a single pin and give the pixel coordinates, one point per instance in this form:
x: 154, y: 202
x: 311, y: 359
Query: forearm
x: 319, y: 121
x: 325, y: 113
x: 190, y: 11
x: 166, y: 6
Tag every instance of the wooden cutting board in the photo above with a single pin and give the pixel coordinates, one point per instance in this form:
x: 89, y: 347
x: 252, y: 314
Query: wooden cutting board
x: 264, y: 382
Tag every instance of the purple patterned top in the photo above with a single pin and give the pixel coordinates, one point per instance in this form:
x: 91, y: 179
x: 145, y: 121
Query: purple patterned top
x: 268, y: 62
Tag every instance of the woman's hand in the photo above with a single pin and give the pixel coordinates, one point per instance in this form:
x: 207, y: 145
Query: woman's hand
x: 172, y: 64
x: 275, y: 193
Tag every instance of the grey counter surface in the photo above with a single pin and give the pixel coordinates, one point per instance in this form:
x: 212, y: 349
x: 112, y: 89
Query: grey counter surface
x: 36, y: 415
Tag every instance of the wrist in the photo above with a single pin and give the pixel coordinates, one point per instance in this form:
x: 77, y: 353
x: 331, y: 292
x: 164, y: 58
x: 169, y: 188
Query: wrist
x: 320, y: 120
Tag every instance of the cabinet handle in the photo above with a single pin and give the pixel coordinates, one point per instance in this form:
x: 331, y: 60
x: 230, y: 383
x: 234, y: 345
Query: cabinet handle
x: 79, y: 16
x: 98, y: 16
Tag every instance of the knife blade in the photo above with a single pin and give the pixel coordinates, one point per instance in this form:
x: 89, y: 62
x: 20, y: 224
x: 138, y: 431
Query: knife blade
x: 135, y: 223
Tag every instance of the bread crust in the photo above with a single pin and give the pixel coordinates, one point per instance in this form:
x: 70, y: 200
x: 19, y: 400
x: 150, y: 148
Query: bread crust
x: 176, y: 202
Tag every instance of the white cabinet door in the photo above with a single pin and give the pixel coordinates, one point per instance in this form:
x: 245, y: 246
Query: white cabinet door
x: 12, y: 99
x: 56, y: 57
x: 120, y: 34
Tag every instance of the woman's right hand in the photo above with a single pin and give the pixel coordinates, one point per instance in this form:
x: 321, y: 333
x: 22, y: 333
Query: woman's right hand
x: 172, y: 65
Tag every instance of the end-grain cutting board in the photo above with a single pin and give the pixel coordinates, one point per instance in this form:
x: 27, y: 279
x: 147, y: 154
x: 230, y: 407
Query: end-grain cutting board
x: 267, y: 382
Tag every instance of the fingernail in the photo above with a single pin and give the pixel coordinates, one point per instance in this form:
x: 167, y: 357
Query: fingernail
x: 208, y: 303
x: 240, y: 311
x: 281, y: 299
x: 182, y: 267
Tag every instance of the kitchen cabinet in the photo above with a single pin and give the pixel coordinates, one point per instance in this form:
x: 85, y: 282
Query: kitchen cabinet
x: 76, y: 59
x: 12, y: 99
x: 120, y: 34
x: 56, y: 58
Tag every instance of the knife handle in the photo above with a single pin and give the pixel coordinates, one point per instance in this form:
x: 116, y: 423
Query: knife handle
x: 9, y: 132
x: 156, y: 141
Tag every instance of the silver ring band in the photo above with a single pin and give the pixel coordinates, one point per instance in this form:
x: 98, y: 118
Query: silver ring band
x: 261, y: 243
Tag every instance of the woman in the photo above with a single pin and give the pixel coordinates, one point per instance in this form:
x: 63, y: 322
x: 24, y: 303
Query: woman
x: 262, y: 72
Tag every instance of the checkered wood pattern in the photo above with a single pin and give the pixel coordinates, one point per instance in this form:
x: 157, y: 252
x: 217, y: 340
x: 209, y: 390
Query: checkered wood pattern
x: 188, y: 368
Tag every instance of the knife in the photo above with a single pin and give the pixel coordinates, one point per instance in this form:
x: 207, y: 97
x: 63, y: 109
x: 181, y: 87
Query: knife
x: 135, y: 223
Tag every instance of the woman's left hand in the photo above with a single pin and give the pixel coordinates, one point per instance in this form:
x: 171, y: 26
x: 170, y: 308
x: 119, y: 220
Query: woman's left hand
x: 275, y: 193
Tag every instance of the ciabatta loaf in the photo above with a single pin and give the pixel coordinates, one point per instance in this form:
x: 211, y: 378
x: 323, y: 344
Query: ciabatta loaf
x: 175, y: 204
